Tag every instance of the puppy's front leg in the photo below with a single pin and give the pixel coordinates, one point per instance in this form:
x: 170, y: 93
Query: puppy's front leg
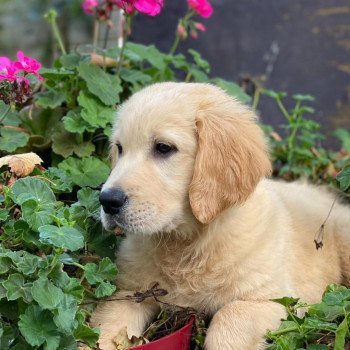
x: 241, y: 325
x: 112, y: 316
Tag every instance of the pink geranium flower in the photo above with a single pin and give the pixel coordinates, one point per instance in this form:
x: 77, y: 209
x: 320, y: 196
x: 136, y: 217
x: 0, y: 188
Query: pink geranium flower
x: 149, y: 7
x: 89, y: 6
x: 8, y: 70
x: 126, y: 5
x: 201, y: 7
x: 27, y: 64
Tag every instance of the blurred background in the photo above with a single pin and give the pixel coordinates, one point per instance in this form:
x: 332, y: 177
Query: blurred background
x: 298, y: 46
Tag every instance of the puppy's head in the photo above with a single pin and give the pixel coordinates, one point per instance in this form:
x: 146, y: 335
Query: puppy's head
x: 181, y: 154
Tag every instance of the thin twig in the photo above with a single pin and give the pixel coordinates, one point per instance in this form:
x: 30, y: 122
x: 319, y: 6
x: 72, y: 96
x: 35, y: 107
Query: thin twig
x: 137, y: 297
x: 318, y: 239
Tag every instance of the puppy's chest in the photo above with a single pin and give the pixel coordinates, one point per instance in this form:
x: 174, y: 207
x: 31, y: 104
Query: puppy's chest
x: 194, y: 283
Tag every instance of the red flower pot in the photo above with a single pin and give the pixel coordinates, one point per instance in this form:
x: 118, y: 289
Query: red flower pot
x: 179, y: 340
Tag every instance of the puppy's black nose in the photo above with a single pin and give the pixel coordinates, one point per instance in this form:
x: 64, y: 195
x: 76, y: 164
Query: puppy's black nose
x: 112, y: 200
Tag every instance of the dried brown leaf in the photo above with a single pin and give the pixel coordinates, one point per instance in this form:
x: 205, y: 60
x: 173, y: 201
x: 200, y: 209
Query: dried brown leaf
x: 21, y: 164
x: 122, y: 341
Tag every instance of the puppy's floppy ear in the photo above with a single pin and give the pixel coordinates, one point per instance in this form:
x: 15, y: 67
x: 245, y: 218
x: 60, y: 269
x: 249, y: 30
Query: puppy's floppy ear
x: 231, y: 159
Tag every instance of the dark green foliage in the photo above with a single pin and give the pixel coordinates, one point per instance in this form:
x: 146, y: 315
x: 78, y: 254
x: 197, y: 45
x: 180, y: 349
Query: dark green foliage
x: 324, y: 326
x: 44, y: 276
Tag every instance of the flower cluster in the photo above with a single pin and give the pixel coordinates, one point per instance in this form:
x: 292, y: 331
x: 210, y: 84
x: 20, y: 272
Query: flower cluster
x: 15, y: 86
x: 103, y: 9
x: 201, y: 8
x: 16, y: 71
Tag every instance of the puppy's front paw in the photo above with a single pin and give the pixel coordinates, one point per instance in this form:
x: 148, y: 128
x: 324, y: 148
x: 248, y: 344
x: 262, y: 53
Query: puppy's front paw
x: 106, y: 344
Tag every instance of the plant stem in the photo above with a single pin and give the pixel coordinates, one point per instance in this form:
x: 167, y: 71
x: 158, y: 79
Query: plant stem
x: 55, y: 259
x: 51, y: 17
x: 184, y: 22
x: 5, y: 114
x: 175, y: 44
x: 282, y: 108
x: 256, y: 98
x: 95, y: 34
x: 282, y: 331
x: 125, y: 33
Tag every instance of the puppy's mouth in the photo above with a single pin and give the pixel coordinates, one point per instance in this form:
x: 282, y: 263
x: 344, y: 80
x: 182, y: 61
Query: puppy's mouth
x: 138, y: 220
x: 112, y: 223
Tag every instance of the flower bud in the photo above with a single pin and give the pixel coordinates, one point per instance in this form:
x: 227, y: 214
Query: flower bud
x: 181, y: 31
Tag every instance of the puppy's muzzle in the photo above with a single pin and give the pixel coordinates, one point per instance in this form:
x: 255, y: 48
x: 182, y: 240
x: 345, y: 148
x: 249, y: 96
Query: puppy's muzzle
x: 113, y: 200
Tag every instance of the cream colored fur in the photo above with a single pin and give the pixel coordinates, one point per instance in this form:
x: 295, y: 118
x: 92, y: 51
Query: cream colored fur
x: 208, y: 226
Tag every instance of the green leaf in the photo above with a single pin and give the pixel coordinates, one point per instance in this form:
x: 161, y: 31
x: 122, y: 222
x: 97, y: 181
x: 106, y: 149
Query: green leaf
x: 70, y: 61
x: 233, y: 90
x: 65, y: 314
x: 62, y: 237
x: 286, y: 301
x: 94, y: 112
x: 65, y: 144
x: 74, y: 123
x: 3, y: 108
x: 12, y: 139
x: 28, y: 264
x: 32, y: 188
x: 277, y: 95
x: 16, y: 288
x: 105, y: 289
x: 55, y: 74
x: 340, y: 335
x: 336, y: 295
x: 89, y: 199
x: 37, y: 327
x: 60, y: 182
x: 85, y: 172
x: 135, y: 77
x: 37, y: 214
x: 326, y: 312
x: 344, y: 136
x: 317, y: 347
x: 75, y: 289
x: 139, y: 53
x: 50, y: 99
x: 8, y: 335
x: 4, y: 214
x: 46, y: 294
x: 11, y: 117
x: 300, y: 97
x: 5, y: 264
x: 344, y: 178
x: 199, y: 61
x: 106, y: 270
x: 105, y: 86
x: 86, y: 334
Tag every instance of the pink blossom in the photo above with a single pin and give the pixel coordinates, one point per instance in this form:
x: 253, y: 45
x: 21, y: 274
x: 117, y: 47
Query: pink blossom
x: 200, y: 26
x: 149, y: 7
x: 201, y: 7
x: 27, y: 64
x: 181, y: 31
x: 194, y: 34
x: 126, y: 5
x: 7, y: 69
x: 89, y: 6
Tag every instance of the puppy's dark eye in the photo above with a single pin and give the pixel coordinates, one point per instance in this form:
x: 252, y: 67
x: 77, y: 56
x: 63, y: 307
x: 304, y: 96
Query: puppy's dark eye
x: 120, y: 149
x: 163, y: 149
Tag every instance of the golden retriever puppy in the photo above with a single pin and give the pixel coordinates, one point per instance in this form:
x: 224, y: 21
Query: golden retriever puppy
x: 189, y: 188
